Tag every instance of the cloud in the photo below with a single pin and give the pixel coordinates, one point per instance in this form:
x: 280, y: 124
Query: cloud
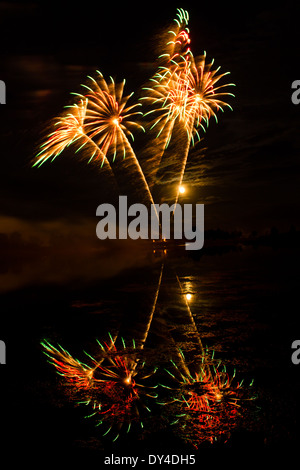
x: 61, y: 252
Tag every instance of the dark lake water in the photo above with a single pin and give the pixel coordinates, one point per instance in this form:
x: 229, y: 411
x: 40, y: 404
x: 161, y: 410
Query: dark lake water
x: 242, y: 307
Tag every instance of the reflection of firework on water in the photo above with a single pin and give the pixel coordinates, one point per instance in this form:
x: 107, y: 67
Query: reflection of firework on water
x: 108, y: 385
x: 190, y: 315
x: 145, y: 335
x: 112, y: 384
x: 206, y: 400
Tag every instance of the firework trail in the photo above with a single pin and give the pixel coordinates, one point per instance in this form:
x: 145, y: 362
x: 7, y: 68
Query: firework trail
x: 166, y: 92
x: 183, y: 92
x: 176, y: 46
x: 143, y: 340
x: 169, y: 95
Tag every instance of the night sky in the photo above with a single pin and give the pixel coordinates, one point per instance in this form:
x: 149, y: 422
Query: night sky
x: 247, y: 165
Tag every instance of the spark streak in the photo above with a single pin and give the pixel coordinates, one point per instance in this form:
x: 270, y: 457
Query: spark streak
x: 208, y: 401
x: 108, y: 119
x: 69, y: 129
x: 107, y: 385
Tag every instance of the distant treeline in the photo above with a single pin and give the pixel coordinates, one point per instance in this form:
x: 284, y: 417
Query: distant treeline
x: 270, y: 237
x: 215, y: 241
x: 220, y: 241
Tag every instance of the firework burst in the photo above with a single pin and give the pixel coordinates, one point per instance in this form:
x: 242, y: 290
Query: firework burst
x: 183, y: 95
x: 108, y: 119
x: 111, y: 385
x: 206, y: 98
x: 101, y: 118
x: 169, y: 97
x: 101, y: 123
x: 69, y: 129
x: 203, y: 102
x: 208, y: 401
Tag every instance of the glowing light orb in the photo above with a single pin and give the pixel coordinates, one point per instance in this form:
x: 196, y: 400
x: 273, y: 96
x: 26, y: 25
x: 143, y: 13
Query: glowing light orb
x: 188, y: 297
x: 181, y: 189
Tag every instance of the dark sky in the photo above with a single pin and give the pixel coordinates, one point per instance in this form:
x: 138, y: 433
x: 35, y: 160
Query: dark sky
x: 246, y: 170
